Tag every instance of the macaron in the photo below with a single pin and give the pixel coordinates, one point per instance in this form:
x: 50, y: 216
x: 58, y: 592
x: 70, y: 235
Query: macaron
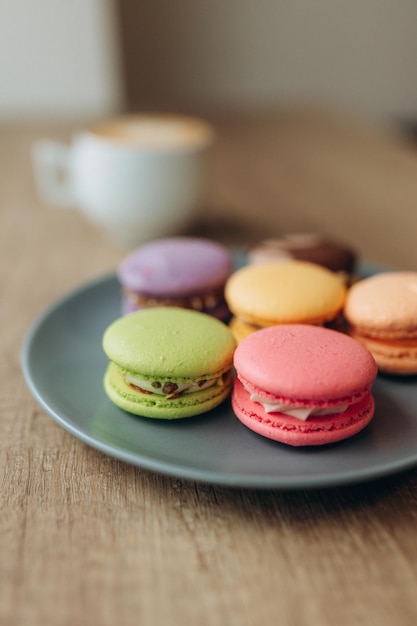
x: 313, y: 247
x: 303, y: 385
x: 186, y: 272
x: 381, y: 312
x: 168, y: 362
x: 297, y: 292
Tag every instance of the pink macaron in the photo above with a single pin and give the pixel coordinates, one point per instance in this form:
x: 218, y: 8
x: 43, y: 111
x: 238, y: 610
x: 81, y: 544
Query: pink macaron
x: 303, y: 385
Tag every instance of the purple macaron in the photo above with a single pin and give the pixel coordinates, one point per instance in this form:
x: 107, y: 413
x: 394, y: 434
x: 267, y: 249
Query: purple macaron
x: 186, y: 272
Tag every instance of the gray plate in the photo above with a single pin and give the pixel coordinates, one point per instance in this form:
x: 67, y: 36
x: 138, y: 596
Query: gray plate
x: 63, y: 364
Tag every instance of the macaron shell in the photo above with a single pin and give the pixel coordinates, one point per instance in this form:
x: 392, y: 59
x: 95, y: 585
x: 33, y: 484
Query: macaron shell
x: 176, y: 266
x: 292, y: 431
x: 304, y: 362
x: 384, y: 305
x: 241, y: 329
x: 392, y: 356
x: 285, y: 292
x: 157, y: 406
x: 170, y: 342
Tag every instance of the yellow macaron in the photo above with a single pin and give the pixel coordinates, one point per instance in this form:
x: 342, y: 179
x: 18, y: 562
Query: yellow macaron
x: 293, y: 292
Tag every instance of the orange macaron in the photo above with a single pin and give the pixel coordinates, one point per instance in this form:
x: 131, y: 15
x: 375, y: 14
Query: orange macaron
x: 382, y: 314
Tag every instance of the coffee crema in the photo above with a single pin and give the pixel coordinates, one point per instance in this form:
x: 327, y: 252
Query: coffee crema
x: 155, y: 131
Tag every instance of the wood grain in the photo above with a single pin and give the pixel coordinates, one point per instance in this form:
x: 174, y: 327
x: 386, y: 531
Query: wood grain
x: 86, y: 539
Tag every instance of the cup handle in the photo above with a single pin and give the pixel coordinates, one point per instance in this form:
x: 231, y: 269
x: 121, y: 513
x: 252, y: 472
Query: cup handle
x: 51, y: 163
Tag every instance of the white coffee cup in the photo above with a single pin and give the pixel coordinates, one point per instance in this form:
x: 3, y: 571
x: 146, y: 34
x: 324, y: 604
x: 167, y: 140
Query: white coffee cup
x: 137, y: 177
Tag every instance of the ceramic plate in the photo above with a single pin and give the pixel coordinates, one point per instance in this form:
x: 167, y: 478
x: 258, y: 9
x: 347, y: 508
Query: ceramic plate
x: 64, y: 364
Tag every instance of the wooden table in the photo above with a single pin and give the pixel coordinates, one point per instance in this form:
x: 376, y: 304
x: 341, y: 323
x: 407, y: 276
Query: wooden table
x: 87, y: 539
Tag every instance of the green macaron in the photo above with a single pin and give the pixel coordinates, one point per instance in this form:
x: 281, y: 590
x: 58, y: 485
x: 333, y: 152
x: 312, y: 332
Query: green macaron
x: 168, y: 362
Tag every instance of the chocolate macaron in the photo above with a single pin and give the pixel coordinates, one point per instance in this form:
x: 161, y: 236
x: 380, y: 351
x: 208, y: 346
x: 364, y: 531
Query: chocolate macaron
x: 315, y: 248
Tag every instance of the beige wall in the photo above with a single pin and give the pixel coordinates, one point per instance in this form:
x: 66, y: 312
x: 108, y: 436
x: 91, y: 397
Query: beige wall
x: 361, y: 54
x: 61, y: 58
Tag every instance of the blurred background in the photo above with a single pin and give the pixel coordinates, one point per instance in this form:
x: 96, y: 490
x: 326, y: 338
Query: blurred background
x: 279, y: 79
x: 89, y: 58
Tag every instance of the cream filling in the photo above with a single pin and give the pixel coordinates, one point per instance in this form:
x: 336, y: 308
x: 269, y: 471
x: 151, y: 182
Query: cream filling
x: 170, y: 389
x: 300, y: 412
x: 205, y: 301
